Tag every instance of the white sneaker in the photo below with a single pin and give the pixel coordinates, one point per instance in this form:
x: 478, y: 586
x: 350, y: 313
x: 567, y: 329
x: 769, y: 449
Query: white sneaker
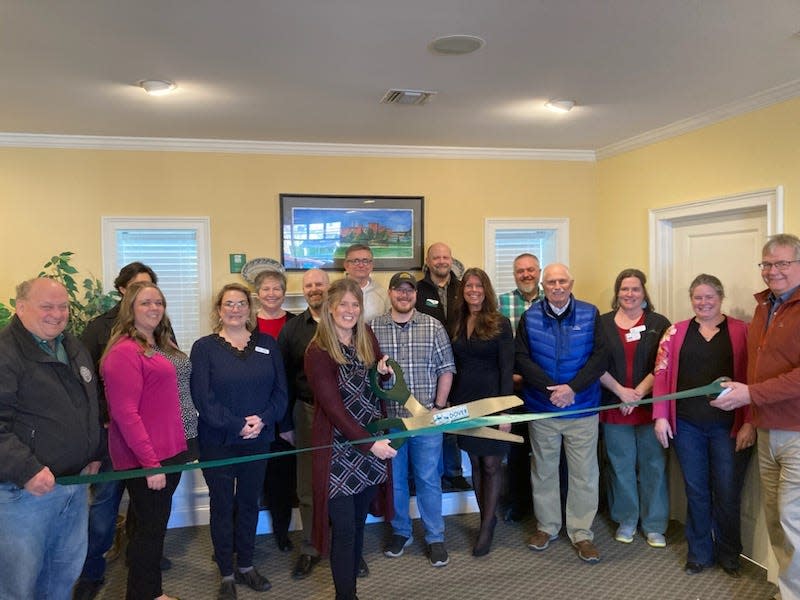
x: 656, y: 540
x: 625, y: 533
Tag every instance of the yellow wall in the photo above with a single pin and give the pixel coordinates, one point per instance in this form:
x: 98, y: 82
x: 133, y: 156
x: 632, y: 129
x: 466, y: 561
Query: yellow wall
x: 755, y: 151
x: 53, y: 200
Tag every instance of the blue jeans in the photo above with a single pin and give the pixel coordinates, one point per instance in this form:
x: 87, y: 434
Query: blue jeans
x: 638, y: 477
x: 423, y: 451
x: 713, y: 474
x: 103, y: 509
x: 43, y: 541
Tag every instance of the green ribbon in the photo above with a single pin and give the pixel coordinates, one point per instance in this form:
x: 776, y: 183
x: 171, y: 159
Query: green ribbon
x: 712, y: 389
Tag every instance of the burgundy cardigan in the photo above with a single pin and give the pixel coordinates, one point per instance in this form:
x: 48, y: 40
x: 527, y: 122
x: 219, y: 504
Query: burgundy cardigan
x: 329, y: 412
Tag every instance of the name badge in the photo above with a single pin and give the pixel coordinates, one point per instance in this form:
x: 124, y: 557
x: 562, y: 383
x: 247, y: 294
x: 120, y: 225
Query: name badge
x: 634, y: 333
x: 262, y: 350
x: 431, y: 302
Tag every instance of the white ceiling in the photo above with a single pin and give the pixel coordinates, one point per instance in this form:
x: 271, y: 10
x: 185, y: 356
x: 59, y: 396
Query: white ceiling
x: 315, y: 70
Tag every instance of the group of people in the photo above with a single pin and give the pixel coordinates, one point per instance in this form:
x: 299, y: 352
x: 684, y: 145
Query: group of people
x: 268, y: 380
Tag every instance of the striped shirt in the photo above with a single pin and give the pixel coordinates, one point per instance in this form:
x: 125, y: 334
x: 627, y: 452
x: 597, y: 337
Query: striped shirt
x: 422, y: 349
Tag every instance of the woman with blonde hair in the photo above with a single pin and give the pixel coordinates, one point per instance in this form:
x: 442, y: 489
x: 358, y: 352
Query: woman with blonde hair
x: 346, y: 477
x: 145, y: 376
x: 239, y: 388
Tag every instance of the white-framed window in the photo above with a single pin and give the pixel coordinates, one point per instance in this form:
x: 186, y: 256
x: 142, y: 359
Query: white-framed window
x: 178, y: 250
x: 505, y: 239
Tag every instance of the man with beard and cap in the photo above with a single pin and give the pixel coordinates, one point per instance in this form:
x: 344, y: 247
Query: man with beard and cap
x: 436, y: 296
x: 421, y: 346
x: 293, y: 340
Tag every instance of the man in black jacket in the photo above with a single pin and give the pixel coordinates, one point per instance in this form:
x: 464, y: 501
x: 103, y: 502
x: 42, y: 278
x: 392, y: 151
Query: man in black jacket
x: 49, y: 427
x: 437, y: 293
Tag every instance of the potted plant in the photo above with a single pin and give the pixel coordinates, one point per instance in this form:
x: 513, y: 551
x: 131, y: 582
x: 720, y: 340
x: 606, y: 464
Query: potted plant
x: 83, y: 308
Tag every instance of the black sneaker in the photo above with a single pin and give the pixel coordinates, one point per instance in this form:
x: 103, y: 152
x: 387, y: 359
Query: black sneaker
x: 457, y: 483
x: 252, y: 579
x: 86, y: 589
x: 437, y: 554
x: 396, y: 547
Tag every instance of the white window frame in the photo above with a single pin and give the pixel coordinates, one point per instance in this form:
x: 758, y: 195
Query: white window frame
x: 201, y: 225
x: 559, y: 225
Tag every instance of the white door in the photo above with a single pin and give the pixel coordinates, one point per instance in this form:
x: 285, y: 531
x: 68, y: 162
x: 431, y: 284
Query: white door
x: 727, y: 246
x: 724, y: 242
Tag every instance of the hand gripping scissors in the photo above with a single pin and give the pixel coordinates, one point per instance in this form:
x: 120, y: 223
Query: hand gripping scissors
x: 422, y: 417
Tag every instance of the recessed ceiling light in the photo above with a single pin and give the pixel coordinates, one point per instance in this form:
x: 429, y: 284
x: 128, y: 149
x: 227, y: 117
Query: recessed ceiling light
x: 456, y: 44
x: 157, y: 87
x: 559, y: 106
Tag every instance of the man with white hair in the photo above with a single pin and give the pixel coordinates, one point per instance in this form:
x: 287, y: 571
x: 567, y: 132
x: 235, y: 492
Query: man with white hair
x: 49, y: 427
x: 561, y: 355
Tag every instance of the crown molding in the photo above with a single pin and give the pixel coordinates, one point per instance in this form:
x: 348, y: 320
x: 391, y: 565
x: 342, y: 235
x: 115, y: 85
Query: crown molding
x: 92, y: 142
x: 757, y: 101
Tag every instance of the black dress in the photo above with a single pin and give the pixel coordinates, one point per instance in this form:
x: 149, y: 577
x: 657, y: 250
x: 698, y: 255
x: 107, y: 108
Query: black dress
x: 484, y: 368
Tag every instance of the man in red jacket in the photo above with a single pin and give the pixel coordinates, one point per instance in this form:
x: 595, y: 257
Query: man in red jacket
x: 773, y: 389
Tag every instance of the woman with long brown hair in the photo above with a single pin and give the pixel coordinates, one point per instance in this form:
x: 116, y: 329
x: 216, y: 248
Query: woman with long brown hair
x: 483, y: 347
x: 144, y: 374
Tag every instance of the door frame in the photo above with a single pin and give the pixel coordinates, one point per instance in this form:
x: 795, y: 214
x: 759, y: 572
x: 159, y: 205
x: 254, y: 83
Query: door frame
x: 662, y: 221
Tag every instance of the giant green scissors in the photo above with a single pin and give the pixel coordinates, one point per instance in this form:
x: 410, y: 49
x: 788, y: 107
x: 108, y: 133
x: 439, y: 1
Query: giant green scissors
x: 422, y: 417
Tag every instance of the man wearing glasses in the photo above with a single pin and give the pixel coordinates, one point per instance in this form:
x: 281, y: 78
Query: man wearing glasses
x: 358, y: 266
x: 773, y: 390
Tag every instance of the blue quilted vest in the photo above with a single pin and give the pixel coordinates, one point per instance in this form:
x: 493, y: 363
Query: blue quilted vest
x: 561, y: 348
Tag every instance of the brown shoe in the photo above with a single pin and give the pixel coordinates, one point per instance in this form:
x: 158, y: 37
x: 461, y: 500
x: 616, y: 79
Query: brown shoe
x: 587, y: 551
x: 541, y: 540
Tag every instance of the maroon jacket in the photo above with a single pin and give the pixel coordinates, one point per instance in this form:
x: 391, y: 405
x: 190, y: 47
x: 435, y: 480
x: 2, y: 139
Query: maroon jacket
x: 329, y: 412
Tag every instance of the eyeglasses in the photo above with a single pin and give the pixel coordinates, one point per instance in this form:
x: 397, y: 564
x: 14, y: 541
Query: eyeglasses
x: 362, y: 262
x: 230, y: 305
x: 404, y: 291
x: 781, y: 265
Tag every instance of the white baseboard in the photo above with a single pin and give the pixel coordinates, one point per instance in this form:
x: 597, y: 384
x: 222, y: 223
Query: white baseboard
x: 190, y: 506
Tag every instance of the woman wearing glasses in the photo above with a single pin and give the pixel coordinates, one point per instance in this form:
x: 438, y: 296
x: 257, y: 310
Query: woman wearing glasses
x: 712, y: 446
x: 239, y: 388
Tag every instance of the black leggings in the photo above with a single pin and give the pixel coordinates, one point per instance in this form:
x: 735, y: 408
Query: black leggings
x: 347, y: 515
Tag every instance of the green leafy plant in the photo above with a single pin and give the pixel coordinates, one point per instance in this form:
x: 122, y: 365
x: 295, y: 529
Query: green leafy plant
x: 82, y: 308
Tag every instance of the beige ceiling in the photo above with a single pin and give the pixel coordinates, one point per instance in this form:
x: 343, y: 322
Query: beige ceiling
x: 315, y: 70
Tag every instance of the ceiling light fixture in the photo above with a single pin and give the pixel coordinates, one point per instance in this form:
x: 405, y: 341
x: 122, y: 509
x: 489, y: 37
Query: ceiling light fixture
x: 559, y: 106
x: 157, y: 87
x: 456, y: 44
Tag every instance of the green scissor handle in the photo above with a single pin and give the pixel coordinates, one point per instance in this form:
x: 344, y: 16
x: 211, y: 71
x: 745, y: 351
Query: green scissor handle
x: 399, y: 393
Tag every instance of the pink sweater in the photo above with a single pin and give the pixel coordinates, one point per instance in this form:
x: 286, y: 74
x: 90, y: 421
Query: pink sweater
x: 666, y: 369
x: 142, y: 393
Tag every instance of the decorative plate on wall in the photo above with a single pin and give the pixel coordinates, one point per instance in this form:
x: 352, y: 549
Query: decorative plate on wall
x: 253, y: 267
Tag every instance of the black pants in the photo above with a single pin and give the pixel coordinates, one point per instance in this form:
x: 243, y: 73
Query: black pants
x: 347, y: 515
x: 151, y: 509
x: 233, y: 493
x: 280, y: 487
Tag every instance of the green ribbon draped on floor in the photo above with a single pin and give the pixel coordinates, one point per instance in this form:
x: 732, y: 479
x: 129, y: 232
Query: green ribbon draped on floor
x: 712, y: 389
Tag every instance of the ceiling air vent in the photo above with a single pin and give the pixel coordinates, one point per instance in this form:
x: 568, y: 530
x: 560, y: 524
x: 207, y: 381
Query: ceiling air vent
x: 409, y: 97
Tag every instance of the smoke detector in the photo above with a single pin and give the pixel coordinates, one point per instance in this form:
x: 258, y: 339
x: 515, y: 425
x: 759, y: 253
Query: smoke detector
x: 408, y: 97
